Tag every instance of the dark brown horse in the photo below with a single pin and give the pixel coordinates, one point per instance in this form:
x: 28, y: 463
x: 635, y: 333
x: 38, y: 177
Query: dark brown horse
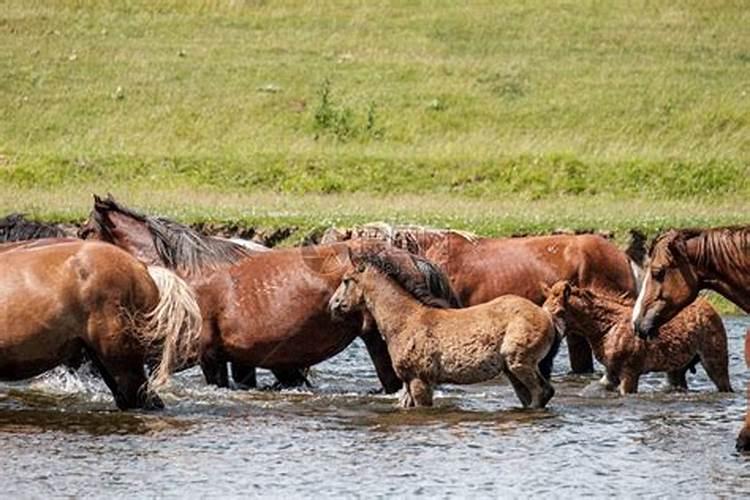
x: 16, y: 227
x: 264, y: 309
x: 481, y: 269
x: 682, y: 262
x: 58, y: 297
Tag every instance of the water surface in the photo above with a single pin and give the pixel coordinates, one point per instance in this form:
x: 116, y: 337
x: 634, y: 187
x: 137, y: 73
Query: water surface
x: 62, y: 437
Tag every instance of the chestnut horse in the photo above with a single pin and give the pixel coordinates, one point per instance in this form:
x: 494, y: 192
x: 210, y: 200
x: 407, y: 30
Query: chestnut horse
x: 58, y: 297
x: 681, y: 263
x: 481, y: 269
x: 696, y: 334
x: 266, y: 309
x: 428, y: 345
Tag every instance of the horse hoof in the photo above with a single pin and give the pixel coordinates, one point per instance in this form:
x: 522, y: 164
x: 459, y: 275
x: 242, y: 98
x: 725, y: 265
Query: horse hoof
x: 153, y: 403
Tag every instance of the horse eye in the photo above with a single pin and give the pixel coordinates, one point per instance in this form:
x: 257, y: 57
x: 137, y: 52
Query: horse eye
x: 658, y: 274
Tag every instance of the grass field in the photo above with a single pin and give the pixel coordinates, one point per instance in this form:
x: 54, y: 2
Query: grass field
x: 498, y: 117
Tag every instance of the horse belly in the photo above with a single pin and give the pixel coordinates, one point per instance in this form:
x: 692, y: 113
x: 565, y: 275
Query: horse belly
x: 269, y: 344
x: 471, y: 363
x: 28, y: 354
x: 37, y: 331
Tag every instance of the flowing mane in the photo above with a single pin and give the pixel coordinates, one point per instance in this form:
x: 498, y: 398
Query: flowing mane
x: 16, y: 227
x: 407, y: 237
x: 434, y: 291
x: 721, y: 247
x: 177, y: 245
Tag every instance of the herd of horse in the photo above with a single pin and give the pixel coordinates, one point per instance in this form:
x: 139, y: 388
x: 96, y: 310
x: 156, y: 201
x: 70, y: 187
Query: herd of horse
x: 142, y: 297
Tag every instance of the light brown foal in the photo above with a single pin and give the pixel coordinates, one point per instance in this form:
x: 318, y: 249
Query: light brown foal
x: 428, y: 346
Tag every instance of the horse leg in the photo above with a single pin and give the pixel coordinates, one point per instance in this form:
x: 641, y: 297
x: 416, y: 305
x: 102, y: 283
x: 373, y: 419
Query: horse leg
x: 421, y: 392
x: 120, y: 360
x: 289, y: 377
x: 608, y: 381
x: 214, y: 368
x: 677, y: 379
x: 244, y: 376
x: 406, y: 400
x: 381, y: 359
x: 528, y: 375
x: 743, y: 440
x: 519, y: 388
x: 715, y: 361
x: 629, y: 383
x: 579, y: 350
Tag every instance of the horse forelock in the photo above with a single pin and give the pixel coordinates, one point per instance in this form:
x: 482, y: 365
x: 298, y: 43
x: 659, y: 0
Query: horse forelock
x: 433, y: 289
x: 177, y: 245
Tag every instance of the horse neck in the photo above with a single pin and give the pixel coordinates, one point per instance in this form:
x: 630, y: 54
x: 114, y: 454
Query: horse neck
x: 721, y: 262
x: 593, y: 316
x: 388, y: 303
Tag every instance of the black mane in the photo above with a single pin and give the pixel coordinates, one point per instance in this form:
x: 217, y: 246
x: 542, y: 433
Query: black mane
x: 177, y: 245
x: 16, y: 227
x: 433, y: 289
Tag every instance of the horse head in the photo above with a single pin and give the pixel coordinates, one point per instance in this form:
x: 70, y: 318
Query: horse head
x: 670, y: 283
x: 111, y: 222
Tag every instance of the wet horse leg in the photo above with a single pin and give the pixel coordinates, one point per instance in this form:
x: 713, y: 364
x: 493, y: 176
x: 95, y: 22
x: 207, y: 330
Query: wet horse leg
x: 677, y: 379
x: 421, y: 392
x: 120, y: 365
x: 579, y: 351
x: 244, y: 375
x: 378, y: 350
x: 406, y: 400
x: 743, y: 440
x: 214, y: 368
x: 212, y: 361
x: 629, y: 382
x: 528, y: 375
x: 289, y: 377
x: 715, y: 360
x: 522, y: 392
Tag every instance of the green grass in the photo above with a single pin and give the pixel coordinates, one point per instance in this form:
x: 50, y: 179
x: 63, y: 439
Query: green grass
x: 497, y: 117
x: 484, y: 100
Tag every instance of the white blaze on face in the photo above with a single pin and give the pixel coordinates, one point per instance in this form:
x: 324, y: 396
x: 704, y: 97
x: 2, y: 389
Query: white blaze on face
x: 641, y: 297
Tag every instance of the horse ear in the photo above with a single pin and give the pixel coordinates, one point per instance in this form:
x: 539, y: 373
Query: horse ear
x: 566, y: 292
x: 97, y: 199
x: 676, y: 245
x: 355, y: 260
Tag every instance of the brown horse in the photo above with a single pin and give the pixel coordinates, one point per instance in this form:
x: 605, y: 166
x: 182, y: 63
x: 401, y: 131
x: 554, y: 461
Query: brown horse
x: 697, y: 332
x: 266, y: 309
x: 481, y: 269
x: 429, y: 345
x: 682, y: 262
x: 58, y: 297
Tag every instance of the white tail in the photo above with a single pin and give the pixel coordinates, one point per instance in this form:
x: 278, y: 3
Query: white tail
x: 174, y: 325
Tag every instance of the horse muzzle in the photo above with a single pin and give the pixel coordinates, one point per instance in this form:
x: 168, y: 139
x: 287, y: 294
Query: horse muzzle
x: 644, y: 329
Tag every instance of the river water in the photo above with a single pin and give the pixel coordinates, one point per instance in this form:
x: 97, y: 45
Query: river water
x: 61, y: 437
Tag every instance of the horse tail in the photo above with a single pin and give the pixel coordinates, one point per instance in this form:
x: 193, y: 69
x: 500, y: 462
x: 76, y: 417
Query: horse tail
x: 546, y: 364
x: 174, y: 325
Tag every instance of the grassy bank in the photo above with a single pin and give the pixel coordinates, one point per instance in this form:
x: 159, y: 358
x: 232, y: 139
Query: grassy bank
x: 497, y: 117
x: 532, y: 100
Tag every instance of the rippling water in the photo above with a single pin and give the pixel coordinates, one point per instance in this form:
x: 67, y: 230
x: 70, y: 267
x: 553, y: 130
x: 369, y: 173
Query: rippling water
x: 62, y: 437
